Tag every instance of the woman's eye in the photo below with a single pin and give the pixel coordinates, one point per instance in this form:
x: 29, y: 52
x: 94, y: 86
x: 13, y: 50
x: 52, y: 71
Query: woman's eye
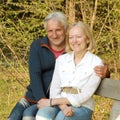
x: 79, y: 36
x: 70, y: 37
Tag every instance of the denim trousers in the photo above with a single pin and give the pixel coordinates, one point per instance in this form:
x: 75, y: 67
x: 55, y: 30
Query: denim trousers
x: 54, y: 113
x: 23, y: 110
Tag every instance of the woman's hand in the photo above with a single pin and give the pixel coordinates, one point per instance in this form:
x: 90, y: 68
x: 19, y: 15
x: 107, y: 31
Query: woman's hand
x: 43, y: 103
x: 67, y: 110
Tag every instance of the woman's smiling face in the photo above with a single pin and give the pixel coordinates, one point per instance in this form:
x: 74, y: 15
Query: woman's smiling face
x: 77, y: 39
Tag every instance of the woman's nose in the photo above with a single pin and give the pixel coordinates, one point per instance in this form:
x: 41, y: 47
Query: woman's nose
x: 74, y: 39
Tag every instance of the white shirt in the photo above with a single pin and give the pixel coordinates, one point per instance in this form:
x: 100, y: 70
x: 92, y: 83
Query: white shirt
x: 80, y: 76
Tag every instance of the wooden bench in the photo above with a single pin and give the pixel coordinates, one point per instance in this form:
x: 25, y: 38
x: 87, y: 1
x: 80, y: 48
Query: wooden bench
x: 110, y: 88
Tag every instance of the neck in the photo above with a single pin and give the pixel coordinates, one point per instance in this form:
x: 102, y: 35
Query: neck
x: 78, y: 56
x: 58, y: 47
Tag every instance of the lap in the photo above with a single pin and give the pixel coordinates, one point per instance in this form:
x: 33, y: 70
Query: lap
x: 31, y: 110
x: 80, y: 113
x: 49, y: 113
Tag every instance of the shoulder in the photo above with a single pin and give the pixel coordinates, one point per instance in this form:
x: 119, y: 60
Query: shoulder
x: 93, y: 58
x: 65, y: 57
x: 38, y: 41
x: 35, y: 42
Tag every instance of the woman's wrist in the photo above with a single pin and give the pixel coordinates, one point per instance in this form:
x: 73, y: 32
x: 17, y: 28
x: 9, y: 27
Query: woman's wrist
x: 63, y: 107
x: 51, y: 102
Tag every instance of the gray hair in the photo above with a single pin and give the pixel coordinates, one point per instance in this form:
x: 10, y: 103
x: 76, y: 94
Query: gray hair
x: 60, y: 16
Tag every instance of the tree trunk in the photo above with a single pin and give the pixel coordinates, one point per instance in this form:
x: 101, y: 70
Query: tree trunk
x: 70, y: 10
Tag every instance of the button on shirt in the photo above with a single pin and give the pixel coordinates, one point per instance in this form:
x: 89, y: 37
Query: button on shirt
x: 80, y: 76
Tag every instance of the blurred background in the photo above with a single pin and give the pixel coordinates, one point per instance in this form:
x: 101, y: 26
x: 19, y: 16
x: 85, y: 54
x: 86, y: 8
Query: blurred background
x: 21, y: 22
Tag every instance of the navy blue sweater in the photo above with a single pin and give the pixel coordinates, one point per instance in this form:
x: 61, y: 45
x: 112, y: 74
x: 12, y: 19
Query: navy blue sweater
x: 41, y: 66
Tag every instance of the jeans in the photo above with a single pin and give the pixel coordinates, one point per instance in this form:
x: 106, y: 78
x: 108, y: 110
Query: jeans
x: 30, y: 112
x: 54, y: 113
x: 22, y: 109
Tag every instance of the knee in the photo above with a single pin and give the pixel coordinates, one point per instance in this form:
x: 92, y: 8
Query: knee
x: 60, y: 116
x: 28, y: 118
x: 44, y: 114
x: 41, y: 115
x: 27, y: 115
x: 30, y: 112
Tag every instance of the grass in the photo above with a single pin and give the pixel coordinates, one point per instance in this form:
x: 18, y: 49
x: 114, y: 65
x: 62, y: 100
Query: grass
x: 10, y: 92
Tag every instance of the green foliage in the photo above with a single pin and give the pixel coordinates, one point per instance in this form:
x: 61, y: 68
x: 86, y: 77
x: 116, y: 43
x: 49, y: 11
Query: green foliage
x: 21, y: 22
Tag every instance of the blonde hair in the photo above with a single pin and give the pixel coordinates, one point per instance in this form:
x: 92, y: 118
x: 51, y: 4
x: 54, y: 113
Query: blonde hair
x: 87, y: 32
